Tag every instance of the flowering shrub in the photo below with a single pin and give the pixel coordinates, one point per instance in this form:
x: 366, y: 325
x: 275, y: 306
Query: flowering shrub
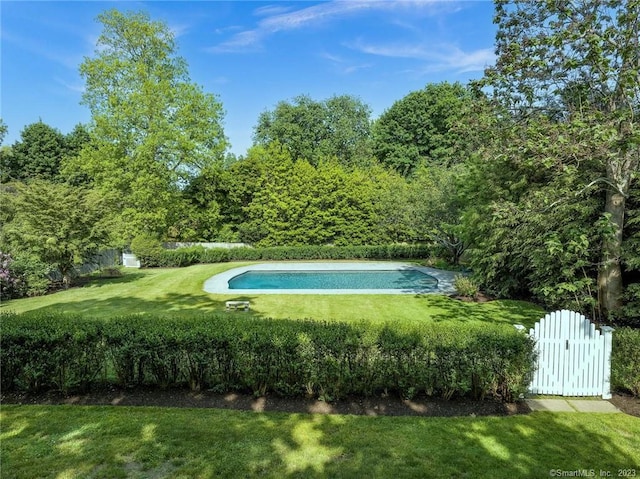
x: 11, y: 282
x: 22, y: 276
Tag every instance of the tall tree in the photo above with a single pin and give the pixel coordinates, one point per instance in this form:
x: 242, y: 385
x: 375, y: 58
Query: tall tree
x: 419, y: 128
x: 579, y: 63
x: 152, y: 128
x: 77, y: 139
x: 296, y: 203
x: 37, y: 154
x: 338, y: 127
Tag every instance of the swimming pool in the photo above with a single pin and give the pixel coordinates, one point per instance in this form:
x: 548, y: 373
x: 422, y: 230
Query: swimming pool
x: 362, y: 277
x: 319, y: 279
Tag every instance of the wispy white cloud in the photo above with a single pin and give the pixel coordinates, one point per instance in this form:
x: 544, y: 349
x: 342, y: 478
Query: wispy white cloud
x: 72, y: 87
x: 276, y: 20
x: 437, y: 57
x: 65, y: 57
x: 230, y: 28
x: 179, y: 29
x: 270, y: 10
x: 343, y: 65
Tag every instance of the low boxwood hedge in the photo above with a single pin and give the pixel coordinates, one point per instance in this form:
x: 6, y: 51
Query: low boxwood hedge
x: 156, y: 257
x: 229, y: 352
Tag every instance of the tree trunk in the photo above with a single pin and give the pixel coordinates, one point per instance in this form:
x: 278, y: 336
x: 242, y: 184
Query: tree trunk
x: 610, y: 273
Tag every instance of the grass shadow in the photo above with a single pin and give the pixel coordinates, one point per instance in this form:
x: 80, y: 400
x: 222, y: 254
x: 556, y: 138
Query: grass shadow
x: 101, y: 281
x: 499, y: 311
x: 172, y: 304
x: 120, y: 441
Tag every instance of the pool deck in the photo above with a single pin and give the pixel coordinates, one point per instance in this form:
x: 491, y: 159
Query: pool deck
x: 219, y: 284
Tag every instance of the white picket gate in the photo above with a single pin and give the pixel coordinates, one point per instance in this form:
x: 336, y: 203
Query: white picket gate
x: 130, y: 261
x: 574, y: 358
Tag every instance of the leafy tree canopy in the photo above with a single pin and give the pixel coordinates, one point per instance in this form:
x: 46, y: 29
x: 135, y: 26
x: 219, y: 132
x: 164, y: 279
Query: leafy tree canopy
x: 338, y: 127
x: 419, y: 128
x: 37, y: 154
x: 568, y: 81
x: 153, y: 130
x: 56, y: 223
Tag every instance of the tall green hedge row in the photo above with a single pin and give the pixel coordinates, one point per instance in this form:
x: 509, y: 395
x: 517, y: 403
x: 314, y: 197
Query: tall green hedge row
x: 156, y: 257
x: 228, y: 352
x: 625, y: 360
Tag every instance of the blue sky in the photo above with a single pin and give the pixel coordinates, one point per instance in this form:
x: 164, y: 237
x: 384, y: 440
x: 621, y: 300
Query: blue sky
x: 250, y: 54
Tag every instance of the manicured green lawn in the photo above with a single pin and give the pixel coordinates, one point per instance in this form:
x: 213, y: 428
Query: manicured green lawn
x: 179, y: 291
x: 112, y: 442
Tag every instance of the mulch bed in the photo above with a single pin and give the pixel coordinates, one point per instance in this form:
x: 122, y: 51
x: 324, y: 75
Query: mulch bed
x: 371, y: 406
x: 627, y: 403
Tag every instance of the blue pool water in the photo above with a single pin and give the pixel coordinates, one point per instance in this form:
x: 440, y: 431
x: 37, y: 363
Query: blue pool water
x: 380, y: 279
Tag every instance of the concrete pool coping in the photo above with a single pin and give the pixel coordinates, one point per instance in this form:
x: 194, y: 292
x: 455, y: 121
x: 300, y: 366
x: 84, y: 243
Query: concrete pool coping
x: 219, y: 284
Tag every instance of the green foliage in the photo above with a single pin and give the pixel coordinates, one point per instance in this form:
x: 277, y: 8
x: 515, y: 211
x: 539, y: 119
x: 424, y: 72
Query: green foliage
x: 338, y: 127
x: 62, y: 353
x: 466, y: 286
x: 147, y: 248
x: 533, y: 211
x: 284, y: 202
x: 205, y: 197
x: 575, y: 64
x: 625, y: 360
x: 37, y: 154
x: 152, y: 257
x: 153, y: 130
x: 418, y: 129
x: 630, y: 313
x: 57, y: 224
x: 436, y: 206
x: 33, y: 274
x: 3, y: 130
x: 288, y: 358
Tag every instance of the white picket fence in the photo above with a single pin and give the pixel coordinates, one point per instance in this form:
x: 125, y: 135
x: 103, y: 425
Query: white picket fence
x: 574, y: 358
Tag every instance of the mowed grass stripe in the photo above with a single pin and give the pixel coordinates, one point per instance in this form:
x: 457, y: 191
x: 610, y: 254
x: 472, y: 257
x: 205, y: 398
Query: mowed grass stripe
x: 179, y: 292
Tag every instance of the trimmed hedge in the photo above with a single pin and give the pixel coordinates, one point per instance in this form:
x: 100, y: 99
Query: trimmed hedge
x: 290, y: 358
x: 154, y: 258
x: 625, y: 360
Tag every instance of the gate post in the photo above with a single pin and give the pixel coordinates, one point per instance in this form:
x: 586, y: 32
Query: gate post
x: 607, y: 332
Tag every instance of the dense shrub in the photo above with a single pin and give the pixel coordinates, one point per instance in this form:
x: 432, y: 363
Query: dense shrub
x: 50, y: 352
x: 10, y: 282
x: 625, y: 360
x: 148, y: 249
x: 225, y: 352
x: 154, y: 257
x: 466, y: 286
x: 22, y: 275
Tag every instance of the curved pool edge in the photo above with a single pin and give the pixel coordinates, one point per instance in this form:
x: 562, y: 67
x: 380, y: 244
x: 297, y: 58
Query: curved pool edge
x: 219, y: 283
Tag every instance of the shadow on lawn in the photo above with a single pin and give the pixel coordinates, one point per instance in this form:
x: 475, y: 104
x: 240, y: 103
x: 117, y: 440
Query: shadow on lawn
x: 505, y: 311
x: 233, y: 444
x: 172, y: 304
x: 523, y: 446
x: 100, y: 281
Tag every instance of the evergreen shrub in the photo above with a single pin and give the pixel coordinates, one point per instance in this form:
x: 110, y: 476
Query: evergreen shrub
x: 230, y: 352
x: 625, y: 360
